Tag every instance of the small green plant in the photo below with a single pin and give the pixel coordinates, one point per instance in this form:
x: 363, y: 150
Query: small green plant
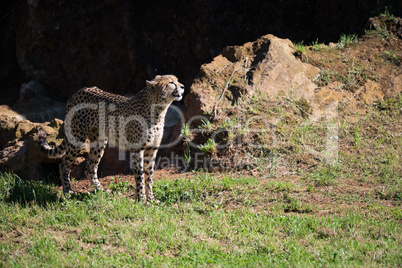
x: 304, y: 107
x: 357, y: 76
x: 392, y: 57
x: 209, y: 147
x: 323, y: 177
x: 121, y: 186
x: 300, y: 48
x: 205, y: 125
x: 347, y: 39
x: 315, y: 45
x: 229, y: 123
x: 324, y: 77
x: 187, y: 154
x: 280, y: 186
x: 388, y: 13
x: 357, y: 136
x: 185, y: 132
x: 311, y: 188
x: 294, y: 205
x: 381, y: 32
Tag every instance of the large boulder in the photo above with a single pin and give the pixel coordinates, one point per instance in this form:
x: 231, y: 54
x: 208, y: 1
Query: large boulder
x: 19, y: 145
x: 20, y: 153
x: 267, y: 66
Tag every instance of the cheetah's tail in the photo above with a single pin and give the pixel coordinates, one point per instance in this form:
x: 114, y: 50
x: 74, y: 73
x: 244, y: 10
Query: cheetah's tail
x: 49, y: 150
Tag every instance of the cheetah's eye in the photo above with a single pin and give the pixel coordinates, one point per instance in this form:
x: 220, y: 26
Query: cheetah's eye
x: 173, y: 83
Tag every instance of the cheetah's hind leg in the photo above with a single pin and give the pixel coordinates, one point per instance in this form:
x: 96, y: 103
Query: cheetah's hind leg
x: 95, y: 156
x: 65, y: 169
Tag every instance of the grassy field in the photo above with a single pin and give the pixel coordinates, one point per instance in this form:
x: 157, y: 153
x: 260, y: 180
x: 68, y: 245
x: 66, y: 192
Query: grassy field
x: 223, y: 221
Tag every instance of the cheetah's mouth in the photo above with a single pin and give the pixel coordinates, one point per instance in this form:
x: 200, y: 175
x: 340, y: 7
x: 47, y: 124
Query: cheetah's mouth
x: 177, y: 95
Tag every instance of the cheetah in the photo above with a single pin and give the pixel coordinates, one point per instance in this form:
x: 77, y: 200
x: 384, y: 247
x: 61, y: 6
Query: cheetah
x: 95, y: 118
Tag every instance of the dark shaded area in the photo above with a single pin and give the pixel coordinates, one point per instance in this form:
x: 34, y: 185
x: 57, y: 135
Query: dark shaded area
x: 116, y: 45
x: 13, y: 189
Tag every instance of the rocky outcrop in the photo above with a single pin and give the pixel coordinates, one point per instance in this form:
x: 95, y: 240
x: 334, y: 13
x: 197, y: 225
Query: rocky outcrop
x: 267, y: 66
x: 20, y: 153
x: 393, y: 24
x: 19, y: 145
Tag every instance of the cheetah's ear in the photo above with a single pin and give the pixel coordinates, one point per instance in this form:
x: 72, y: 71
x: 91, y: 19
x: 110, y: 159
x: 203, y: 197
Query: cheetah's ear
x: 150, y: 83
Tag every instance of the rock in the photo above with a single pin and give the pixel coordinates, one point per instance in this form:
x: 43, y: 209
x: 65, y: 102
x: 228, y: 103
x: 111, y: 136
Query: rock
x: 14, y: 157
x: 370, y: 92
x: 280, y: 72
x: 395, y: 86
x: 7, y: 126
x: 78, y: 168
x: 8, y: 123
x: 329, y: 94
x: 23, y: 129
x: 374, y: 23
x: 267, y: 65
x: 7, y: 111
x: 20, y: 151
x: 56, y: 123
x: 204, y: 91
x: 394, y: 25
x: 332, y: 45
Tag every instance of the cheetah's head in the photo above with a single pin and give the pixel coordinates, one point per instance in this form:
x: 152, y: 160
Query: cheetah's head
x: 166, y: 88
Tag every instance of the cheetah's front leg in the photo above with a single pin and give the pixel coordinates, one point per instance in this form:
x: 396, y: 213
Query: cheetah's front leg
x: 137, y: 164
x: 149, y: 166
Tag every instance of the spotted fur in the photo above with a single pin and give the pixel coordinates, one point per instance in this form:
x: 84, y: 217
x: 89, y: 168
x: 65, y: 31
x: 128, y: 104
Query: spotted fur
x: 96, y: 118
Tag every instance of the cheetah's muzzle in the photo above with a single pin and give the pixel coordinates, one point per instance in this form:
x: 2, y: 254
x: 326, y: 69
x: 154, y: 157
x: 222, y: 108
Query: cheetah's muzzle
x: 178, y: 95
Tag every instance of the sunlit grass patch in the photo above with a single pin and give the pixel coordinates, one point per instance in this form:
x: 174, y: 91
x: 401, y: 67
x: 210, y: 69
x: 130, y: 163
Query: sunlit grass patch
x: 193, y: 227
x: 327, y: 175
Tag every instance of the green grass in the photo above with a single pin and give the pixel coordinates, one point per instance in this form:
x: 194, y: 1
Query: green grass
x: 204, y: 221
x: 392, y: 57
x: 300, y: 48
x: 327, y: 175
x: 347, y: 39
x: 315, y: 45
x: 209, y: 147
x: 324, y: 77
